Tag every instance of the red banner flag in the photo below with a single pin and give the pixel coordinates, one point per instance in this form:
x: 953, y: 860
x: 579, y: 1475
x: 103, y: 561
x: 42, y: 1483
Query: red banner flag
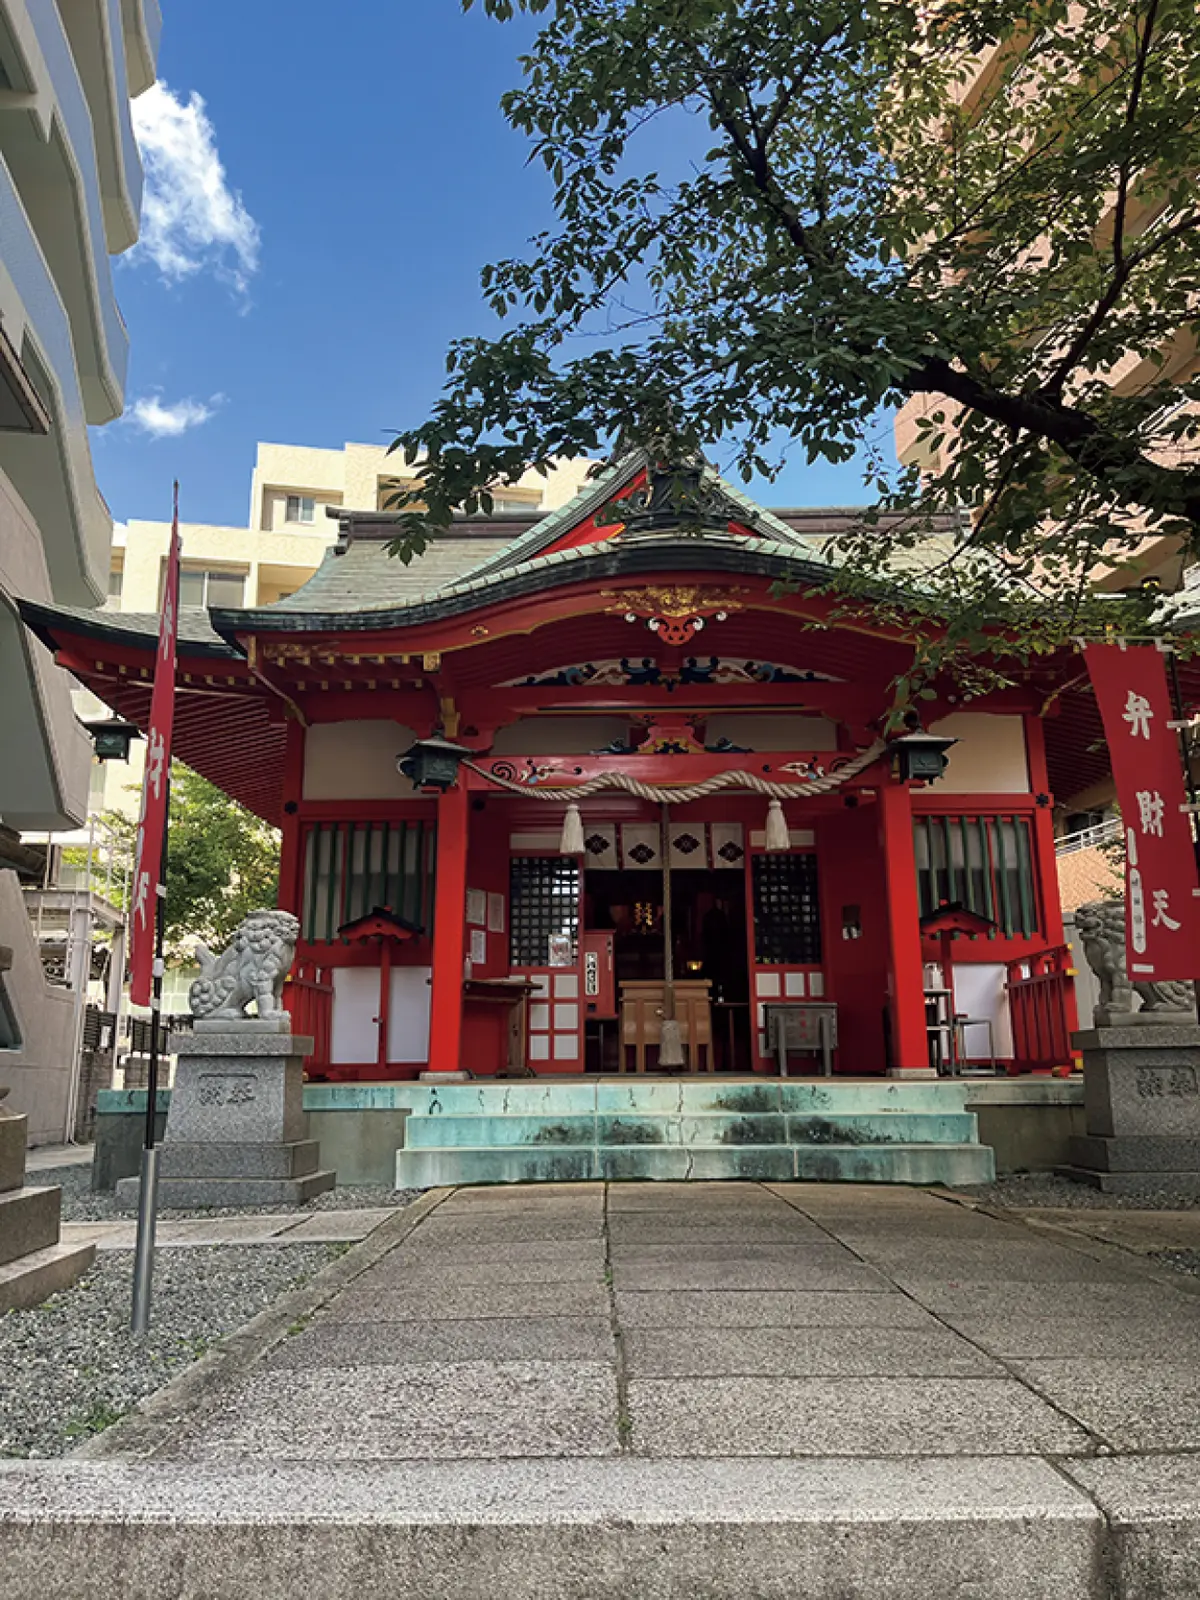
x: 1162, y: 911
x: 152, y: 823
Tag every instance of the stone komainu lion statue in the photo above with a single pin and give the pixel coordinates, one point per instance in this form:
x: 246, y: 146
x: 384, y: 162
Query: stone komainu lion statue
x: 1101, y: 926
x: 252, y: 968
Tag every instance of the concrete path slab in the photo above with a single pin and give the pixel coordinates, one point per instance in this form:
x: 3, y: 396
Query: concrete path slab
x: 770, y: 1309
x: 458, y: 1409
x: 330, y: 1342
x: 652, y: 1391
x: 845, y: 1416
x: 707, y: 1352
x: 45, y: 1156
x: 301, y: 1227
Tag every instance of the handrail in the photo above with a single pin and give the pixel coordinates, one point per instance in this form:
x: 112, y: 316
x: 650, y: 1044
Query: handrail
x: 1088, y: 838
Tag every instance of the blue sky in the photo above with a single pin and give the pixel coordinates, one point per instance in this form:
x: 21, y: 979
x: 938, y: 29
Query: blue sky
x: 368, y: 174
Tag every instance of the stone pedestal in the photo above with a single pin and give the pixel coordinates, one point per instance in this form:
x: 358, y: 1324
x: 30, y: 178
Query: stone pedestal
x: 33, y: 1261
x: 1141, y: 1089
x: 234, y: 1134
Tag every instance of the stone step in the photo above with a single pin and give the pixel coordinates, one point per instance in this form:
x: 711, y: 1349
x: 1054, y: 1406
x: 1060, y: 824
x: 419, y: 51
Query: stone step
x: 630, y: 1093
x: 847, y: 1163
x: 28, y: 1221
x: 184, y: 1159
x: 621, y: 1529
x: 942, y: 1164
x: 1186, y: 1185
x: 194, y: 1194
x: 33, y: 1278
x: 1135, y: 1153
x: 705, y: 1127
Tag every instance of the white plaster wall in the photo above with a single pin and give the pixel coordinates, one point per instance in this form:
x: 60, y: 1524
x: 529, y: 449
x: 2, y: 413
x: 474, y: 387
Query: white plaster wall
x: 759, y: 732
x: 354, y: 1035
x: 559, y: 736
x: 356, y: 761
x: 989, y: 757
x: 979, y: 992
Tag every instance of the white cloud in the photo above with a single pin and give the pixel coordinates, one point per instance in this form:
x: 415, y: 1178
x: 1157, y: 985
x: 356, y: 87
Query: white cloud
x: 162, y: 421
x: 191, y: 220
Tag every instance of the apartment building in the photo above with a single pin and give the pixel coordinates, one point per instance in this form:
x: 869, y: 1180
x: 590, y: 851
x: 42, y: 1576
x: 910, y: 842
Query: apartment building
x: 1085, y: 870
x: 70, y: 199
x: 292, y: 490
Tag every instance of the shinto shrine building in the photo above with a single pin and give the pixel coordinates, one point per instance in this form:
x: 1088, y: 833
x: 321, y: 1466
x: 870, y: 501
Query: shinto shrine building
x: 579, y: 662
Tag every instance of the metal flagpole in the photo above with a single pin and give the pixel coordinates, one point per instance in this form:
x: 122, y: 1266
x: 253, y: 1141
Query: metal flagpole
x: 143, y: 1260
x: 149, y: 890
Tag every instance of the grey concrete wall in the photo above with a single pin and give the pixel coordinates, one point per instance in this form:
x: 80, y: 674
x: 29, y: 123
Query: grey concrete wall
x: 39, y: 1073
x: 1029, y: 1138
x: 360, y: 1146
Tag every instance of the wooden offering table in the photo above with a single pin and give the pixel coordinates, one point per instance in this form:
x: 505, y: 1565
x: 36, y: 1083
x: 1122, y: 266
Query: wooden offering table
x: 493, y: 1040
x: 642, y: 1014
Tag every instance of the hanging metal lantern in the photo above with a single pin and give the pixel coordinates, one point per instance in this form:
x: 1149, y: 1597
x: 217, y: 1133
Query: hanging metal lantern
x: 919, y: 756
x: 112, y: 740
x: 432, y: 763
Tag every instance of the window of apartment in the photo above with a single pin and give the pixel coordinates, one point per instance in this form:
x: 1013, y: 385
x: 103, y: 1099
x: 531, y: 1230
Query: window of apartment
x: 202, y: 586
x: 300, y: 508
x: 116, y: 580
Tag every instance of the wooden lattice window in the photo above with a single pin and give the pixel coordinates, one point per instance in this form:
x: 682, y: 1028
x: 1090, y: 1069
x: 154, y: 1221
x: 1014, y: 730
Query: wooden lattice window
x: 983, y: 863
x: 352, y: 867
x: 787, y: 916
x: 543, y: 904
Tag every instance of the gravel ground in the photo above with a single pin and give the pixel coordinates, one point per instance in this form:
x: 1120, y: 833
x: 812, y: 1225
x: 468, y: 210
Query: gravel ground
x: 1180, y: 1260
x: 1027, y: 1191
x: 79, y: 1204
x: 71, y: 1367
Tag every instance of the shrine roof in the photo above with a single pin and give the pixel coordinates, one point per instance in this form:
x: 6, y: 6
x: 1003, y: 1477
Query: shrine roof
x: 197, y: 636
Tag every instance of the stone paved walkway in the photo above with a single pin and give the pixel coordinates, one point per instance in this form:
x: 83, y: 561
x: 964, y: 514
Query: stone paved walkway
x: 713, y: 1320
x: 299, y: 1227
x: 895, y: 1394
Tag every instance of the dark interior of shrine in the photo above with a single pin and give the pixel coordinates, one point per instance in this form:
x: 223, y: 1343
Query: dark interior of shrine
x: 708, y: 913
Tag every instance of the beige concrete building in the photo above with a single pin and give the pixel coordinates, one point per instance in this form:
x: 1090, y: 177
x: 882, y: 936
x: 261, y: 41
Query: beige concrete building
x: 1177, y: 362
x: 292, y: 489
x: 70, y: 198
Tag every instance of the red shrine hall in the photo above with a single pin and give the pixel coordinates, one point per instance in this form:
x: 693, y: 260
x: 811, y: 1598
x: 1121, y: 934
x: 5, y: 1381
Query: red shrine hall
x: 568, y: 779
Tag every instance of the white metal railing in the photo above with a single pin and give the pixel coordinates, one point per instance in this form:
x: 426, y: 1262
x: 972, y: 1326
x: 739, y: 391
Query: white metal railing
x: 1088, y: 838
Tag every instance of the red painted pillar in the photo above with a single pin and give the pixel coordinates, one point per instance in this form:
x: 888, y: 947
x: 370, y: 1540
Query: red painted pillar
x: 449, y: 932
x: 1045, y: 860
x: 906, y: 998
x: 291, y: 866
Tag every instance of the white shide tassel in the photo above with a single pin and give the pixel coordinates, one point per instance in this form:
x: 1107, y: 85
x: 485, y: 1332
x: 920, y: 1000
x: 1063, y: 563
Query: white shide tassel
x: 572, y: 834
x: 777, y: 837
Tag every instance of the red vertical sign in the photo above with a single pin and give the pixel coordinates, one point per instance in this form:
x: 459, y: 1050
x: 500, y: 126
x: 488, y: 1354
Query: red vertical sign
x: 1162, y: 911
x: 153, y: 820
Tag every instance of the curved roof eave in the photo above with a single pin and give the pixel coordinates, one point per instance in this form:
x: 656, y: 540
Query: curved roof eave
x: 592, y: 563
x: 138, y: 630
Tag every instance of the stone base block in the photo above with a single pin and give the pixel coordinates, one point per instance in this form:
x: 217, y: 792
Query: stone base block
x: 34, y: 1278
x: 1135, y: 1153
x: 1184, y: 1184
x: 1142, y: 1082
x: 251, y: 1161
x: 28, y: 1222
x: 198, y: 1194
x: 13, y: 1130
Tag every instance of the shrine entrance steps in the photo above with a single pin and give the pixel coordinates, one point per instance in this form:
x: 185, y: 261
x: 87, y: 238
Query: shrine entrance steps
x: 763, y: 1129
